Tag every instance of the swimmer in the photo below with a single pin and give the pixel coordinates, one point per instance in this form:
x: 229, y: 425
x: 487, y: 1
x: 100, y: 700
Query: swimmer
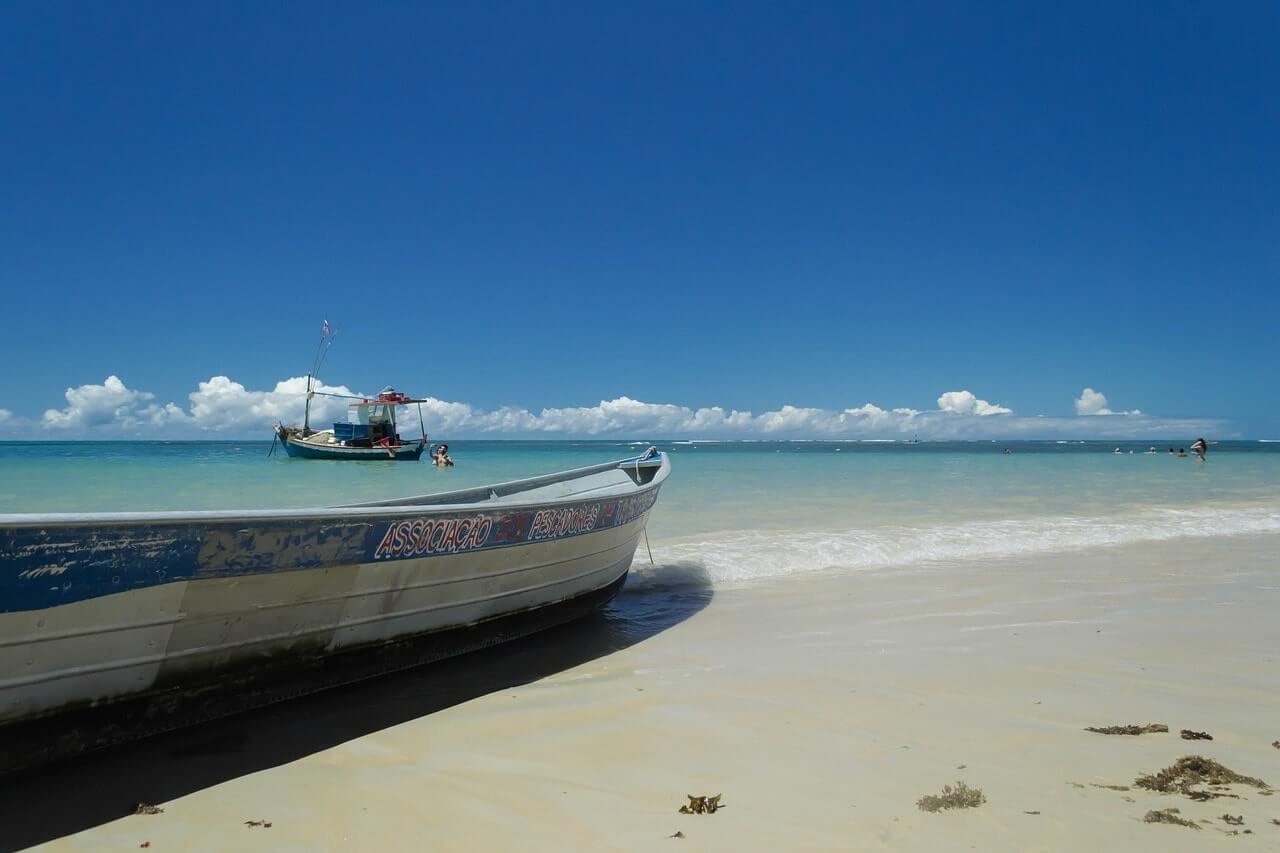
x: 1200, y: 447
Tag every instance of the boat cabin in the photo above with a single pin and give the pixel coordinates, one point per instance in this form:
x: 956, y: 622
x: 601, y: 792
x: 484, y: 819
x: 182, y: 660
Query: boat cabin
x: 371, y: 422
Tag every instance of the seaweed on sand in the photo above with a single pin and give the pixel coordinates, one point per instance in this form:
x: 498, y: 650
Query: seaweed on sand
x: 1151, y: 728
x: 1168, y: 816
x: 959, y: 797
x: 702, y: 805
x: 1183, y: 775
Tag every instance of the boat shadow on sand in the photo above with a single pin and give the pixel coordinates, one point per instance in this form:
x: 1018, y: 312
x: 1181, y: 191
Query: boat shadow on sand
x: 51, y: 802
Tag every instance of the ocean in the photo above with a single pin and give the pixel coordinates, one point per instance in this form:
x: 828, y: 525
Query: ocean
x: 742, y: 511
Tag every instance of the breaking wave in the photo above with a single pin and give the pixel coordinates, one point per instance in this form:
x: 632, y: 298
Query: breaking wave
x: 750, y: 555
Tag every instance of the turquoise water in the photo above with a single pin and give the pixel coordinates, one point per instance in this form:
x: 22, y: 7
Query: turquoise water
x: 744, y: 508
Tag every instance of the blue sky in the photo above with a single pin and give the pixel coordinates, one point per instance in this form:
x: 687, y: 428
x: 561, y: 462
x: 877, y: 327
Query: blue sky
x: 746, y: 206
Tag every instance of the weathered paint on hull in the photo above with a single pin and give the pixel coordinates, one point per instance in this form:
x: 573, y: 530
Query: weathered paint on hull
x: 147, y: 611
x: 106, y: 646
x: 303, y: 450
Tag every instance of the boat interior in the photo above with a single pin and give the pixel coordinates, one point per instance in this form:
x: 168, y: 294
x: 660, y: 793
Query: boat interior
x: 605, y: 480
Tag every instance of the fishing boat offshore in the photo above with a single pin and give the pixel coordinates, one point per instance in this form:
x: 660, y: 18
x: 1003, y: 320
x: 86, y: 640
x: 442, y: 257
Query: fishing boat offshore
x: 118, y: 625
x: 371, y: 431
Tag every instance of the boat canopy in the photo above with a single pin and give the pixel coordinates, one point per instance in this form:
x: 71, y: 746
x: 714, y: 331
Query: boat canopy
x: 381, y: 409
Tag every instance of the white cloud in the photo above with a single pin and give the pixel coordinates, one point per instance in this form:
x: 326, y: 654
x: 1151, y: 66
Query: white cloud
x: 111, y: 403
x: 1091, y: 402
x: 222, y: 406
x: 217, y: 405
x: 965, y: 403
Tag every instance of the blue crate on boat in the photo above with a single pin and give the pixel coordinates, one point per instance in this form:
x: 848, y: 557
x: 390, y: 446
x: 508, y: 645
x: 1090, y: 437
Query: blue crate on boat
x: 348, y: 432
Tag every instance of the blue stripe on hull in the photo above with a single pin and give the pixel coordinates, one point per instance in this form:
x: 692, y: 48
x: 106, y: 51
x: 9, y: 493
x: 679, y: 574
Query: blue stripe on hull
x: 48, y: 566
x: 302, y: 450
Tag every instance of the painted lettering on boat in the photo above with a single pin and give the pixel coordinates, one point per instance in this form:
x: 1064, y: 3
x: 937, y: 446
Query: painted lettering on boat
x: 631, y: 508
x: 550, y: 523
x: 423, y: 536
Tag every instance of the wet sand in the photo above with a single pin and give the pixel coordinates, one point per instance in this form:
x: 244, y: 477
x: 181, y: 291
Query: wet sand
x: 821, y: 707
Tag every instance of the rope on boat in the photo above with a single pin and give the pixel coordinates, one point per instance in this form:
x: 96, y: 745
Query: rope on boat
x: 648, y: 454
x: 343, y: 396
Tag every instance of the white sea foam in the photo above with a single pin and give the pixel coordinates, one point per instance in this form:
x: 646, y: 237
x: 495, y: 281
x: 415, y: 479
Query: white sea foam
x: 736, y: 556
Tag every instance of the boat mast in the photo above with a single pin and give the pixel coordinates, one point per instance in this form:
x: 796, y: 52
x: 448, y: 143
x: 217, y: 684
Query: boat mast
x: 306, y: 412
x: 327, y: 334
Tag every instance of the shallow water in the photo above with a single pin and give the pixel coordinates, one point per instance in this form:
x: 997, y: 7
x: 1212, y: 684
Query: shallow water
x: 740, y: 510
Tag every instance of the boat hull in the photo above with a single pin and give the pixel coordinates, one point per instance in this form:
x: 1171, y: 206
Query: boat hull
x: 163, y: 619
x: 299, y: 449
x: 49, y: 738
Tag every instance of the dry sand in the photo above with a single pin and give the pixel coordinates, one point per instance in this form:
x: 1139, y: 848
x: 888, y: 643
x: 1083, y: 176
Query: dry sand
x: 821, y: 707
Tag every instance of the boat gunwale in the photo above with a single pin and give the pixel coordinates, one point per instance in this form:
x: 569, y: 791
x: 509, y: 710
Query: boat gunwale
x: 439, y: 502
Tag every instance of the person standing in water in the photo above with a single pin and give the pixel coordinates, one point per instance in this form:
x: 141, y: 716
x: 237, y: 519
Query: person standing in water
x: 1199, y: 447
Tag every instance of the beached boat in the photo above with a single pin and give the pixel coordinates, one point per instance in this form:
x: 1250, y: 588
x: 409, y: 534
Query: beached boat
x: 370, y: 432
x: 114, y: 625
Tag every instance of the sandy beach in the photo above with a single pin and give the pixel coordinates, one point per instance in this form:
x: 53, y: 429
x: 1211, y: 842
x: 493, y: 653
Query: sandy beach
x: 821, y: 709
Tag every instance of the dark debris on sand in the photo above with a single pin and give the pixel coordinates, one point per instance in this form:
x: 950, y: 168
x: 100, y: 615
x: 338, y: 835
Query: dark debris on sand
x: 1187, y: 772
x: 1237, y: 820
x: 1168, y: 816
x: 1151, y: 728
x: 146, y: 808
x: 959, y: 797
x: 1187, y: 734
x: 702, y: 805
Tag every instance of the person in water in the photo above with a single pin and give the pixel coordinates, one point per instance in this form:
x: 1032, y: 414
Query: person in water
x: 1182, y: 451
x: 442, y: 456
x: 1200, y: 447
